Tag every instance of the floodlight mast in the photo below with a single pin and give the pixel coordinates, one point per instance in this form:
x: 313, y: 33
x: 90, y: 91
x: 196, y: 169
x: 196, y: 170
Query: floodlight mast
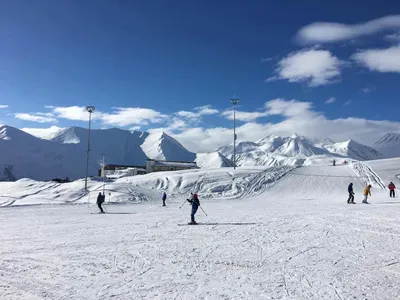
x: 234, y: 102
x: 90, y: 110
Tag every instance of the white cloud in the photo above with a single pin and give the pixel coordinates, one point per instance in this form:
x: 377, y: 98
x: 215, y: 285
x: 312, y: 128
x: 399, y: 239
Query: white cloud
x: 177, y: 124
x: 132, y: 116
x: 120, y: 116
x: 37, y: 117
x: 394, y: 37
x: 243, y: 115
x: 75, y: 113
x: 271, y: 79
x: 381, y: 60
x: 135, y: 128
x: 299, y: 117
x: 289, y: 108
x: 348, y: 102
x: 3, y: 106
x: 206, y: 110
x: 267, y: 59
x: 188, y: 114
x: 198, y: 112
x: 330, y: 100
x: 323, y: 32
x: 43, y: 133
x: 367, y: 90
x: 316, y: 67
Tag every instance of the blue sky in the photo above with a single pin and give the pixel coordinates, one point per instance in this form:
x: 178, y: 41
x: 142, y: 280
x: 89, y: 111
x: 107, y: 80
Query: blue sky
x: 174, y: 65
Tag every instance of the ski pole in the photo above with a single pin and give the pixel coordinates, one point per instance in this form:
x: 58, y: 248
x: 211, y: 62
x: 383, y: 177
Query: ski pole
x: 183, y: 203
x: 203, y: 211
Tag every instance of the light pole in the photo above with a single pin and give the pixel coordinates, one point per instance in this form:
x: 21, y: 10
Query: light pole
x: 234, y: 102
x: 104, y: 174
x: 90, y: 109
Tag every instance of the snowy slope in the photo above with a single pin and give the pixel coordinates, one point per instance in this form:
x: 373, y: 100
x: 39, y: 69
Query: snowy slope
x: 280, y: 181
x: 212, y: 160
x: 276, y: 233
x: 388, y: 145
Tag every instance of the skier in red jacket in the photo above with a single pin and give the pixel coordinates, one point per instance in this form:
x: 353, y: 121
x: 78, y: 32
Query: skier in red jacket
x: 392, y: 187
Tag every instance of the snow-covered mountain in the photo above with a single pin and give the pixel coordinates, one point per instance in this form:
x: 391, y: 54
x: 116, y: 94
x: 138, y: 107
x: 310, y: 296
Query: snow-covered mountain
x: 162, y: 146
x: 64, y: 154
x: 296, y: 150
x: 354, y: 150
x: 388, y: 145
x: 23, y: 155
x: 212, y: 160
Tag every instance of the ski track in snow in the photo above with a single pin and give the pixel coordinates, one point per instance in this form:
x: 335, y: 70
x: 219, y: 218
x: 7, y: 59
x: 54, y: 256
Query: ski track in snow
x: 305, y: 243
x: 296, y: 250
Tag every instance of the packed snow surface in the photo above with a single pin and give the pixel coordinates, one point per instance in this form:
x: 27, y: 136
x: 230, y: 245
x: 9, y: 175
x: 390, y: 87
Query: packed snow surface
x: 272, y: 233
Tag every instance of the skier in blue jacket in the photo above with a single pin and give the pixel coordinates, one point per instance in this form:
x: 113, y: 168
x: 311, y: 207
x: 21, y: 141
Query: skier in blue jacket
x: 164, y: 197
x: 195, y: 206
x: 351, y: 194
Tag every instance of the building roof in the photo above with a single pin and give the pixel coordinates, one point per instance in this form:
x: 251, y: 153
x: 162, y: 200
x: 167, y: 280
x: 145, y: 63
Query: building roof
x: 160, y: 163
x: 112, y: 167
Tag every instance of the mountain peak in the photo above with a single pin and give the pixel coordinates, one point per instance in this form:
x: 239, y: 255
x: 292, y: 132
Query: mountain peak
x: 295, y: 136
x: 159, y: 145
x: 391, y: 138
x: 389, y: 145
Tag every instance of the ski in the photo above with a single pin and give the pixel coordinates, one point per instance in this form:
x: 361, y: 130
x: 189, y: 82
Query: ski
x: 214, y: 224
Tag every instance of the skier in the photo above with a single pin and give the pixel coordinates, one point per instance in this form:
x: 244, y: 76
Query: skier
x: 392, y: 187
x: 367, y: 191
x: 334, y: 162
x: 100, y: 200
x: 351, y: 194
x: 195, y: 206
x: 164, y: 197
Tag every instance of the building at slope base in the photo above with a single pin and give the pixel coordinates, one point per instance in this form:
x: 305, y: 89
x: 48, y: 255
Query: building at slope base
x: 131, y: 170
x: 154, y: 165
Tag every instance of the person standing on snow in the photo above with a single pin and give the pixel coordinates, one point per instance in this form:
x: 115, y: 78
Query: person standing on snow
x: 195, y: 206
x: 100, y: 200
x: 367, y: 191
x: 351, y: 194
x: 392, y: 187
x: 164, y: 197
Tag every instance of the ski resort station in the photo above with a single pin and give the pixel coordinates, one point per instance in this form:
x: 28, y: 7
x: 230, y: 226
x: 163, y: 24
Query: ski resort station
x: 152, y: 165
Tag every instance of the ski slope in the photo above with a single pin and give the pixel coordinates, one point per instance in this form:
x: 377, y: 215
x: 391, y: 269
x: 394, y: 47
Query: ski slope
x: 273, y: 233
x: 388, y: 170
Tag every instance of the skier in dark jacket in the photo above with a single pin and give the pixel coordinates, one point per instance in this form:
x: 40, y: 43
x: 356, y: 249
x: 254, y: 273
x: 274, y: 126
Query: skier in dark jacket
x: 164, y: 197
x: 392, y: 187
x: 100, y: 200
x: 351, y: 194
x: 195, y: 206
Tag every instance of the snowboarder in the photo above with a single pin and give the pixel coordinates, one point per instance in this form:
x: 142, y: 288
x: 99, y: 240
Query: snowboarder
x: 367, y: 191
x: 164, y: 197
x: 100, y: 200
x: 392, y: 187
x: 195, y: 206
x: 351, y: 194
